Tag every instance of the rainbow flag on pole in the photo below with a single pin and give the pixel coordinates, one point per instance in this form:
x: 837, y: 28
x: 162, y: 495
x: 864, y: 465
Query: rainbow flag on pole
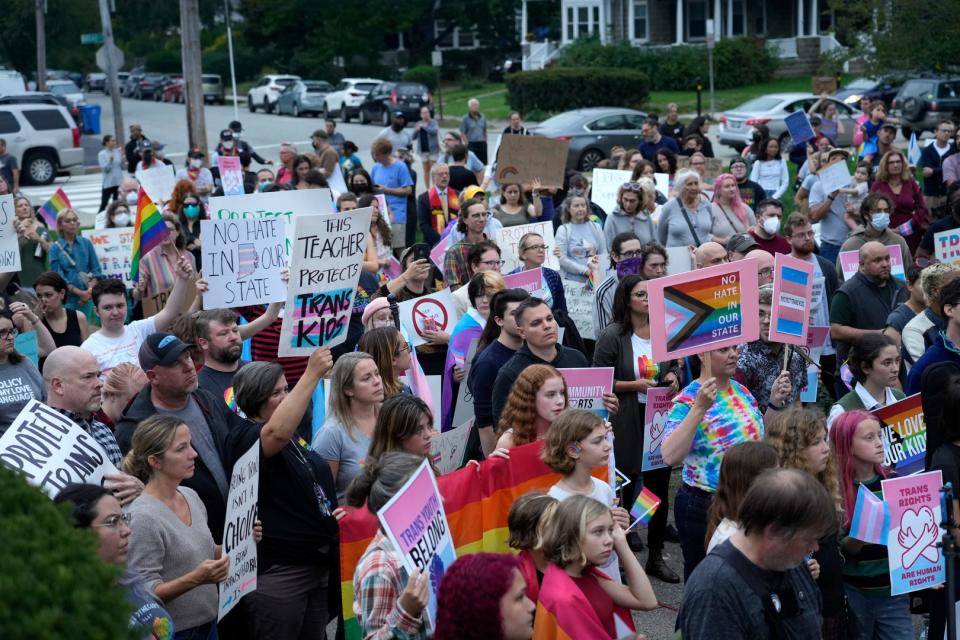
x: 149, y: 231
x: 644, y: 508
x: 57, y: 203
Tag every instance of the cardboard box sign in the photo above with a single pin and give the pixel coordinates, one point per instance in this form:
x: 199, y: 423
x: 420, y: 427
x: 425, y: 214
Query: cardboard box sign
x: 523, y: 158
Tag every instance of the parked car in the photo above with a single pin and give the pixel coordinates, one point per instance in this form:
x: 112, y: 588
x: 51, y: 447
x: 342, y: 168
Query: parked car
x: 61, y: 74
x: 150, y: 84
x: 874, y: 88
x: 131, y: 83
x: 68, y: 90
x: 212, y: 88
x: 408, y: 97
x: 11, y: 82
x: 736, y: 125
x: 95, y: 82
x: 42, y: 138
x: 593, y: 133
x: 346, y: 99
x: 121, y: 80
x: 264, y: 94
x: 173, y: 92
x: 303, y: 97
x: 42, y: 97
x: 922, y: 103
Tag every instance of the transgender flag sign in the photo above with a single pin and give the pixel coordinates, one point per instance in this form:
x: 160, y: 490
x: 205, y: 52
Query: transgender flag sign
x: 790, y: 311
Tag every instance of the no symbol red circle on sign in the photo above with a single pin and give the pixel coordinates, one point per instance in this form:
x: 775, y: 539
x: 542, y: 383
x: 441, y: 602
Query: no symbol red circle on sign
x: 429, y: 308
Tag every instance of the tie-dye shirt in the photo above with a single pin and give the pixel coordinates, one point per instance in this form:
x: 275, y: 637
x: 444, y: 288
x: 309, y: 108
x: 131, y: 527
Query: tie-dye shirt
x: 733, y: 418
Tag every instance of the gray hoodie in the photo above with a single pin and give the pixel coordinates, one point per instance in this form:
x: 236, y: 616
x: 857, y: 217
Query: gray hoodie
x: 619, y: 222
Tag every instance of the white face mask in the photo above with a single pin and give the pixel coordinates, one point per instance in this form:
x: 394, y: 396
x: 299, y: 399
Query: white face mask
x: 771, y: 225
x: 121, y: 219
x: 196, y: 163
x: 227, y: 144
x: 132, y: 198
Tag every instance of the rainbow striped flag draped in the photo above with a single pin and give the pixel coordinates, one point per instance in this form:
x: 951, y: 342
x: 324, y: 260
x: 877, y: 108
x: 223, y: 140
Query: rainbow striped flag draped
x: 564, y: 613
x: 57, y: 203
x: 476, y: 502
x: 149, y: 231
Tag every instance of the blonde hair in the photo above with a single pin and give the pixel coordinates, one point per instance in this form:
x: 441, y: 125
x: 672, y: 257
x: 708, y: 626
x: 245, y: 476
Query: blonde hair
x: 341, y: 380
x: 63, y: 214
x: 570, y: 427
x: 568, y: 527
x: 883, y: 175
x: 528, y: 519
x: 151, y: 438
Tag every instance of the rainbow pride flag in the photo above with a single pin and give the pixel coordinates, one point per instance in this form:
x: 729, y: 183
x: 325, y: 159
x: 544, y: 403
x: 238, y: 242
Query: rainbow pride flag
x: 149, y: 231
x: 57, y: 203
x: 644, y: 508
x: 476, y: 502
x: 564, y: 613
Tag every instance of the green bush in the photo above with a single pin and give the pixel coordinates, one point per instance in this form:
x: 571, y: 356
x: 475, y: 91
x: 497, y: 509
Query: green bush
x: 561, y: 89
x: 424, y: 74
x: 737, y: 62
x: 52, y: 583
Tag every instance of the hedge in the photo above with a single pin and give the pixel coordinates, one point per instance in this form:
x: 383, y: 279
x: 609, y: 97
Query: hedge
x: 737, y: 62
x: 561, y: 89
x: 424, y: 74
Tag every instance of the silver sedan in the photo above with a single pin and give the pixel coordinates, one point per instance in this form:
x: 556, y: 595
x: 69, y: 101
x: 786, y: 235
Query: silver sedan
x: 593, y: 132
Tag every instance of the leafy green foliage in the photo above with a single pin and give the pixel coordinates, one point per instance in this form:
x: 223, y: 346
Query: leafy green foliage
x: 52, y: 583
x: 561, y: 88
x: 423, y: 74
x: 737, y: 62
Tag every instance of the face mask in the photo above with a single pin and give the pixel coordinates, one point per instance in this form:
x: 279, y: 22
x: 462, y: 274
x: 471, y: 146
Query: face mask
x: 880, y: 221
x: 263, y: 185
x: 227, y: 144
x: 132, y: 198
x: 771, y: 225
x: 196, y: 163
x: 192, y: 211
x: 629, y: 267
x: 236, y: 135
x: 121, y: 219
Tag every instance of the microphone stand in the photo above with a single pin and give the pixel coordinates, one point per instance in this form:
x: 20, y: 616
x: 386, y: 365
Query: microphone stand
x: 949, y: 546
x: 394, y: 309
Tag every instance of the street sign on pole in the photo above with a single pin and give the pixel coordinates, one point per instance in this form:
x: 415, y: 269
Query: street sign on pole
x: 711, y: 41
x: 91, y: 38
x: 436, y: 58
x: 118, y: 60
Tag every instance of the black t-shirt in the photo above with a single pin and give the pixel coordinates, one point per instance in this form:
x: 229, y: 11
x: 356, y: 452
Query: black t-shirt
x: 297, y: 499
x: 943, y: 224
x: 674, y: 131
x: 219, y: 383
x: 461, y: 177
x: 946, y: 459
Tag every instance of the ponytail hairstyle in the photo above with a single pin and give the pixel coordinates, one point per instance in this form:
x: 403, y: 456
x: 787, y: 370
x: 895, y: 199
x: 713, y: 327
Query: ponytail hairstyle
x: 381, y: 479
x: 151, y: 438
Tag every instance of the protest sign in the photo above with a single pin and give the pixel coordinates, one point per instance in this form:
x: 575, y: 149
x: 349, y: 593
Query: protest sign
x: 904, y: 434
x: 231, y: 175
x: 587, y: 386
x: 336, y: 181
x: 915, y: 561
x: 816, y: 338
x: 416, y: 524
x: 463, y: 409
x: 9, y: 245
x: 580, y: 300
x: 242, y: 260
x: 324, y: 270
x: 947, y: 245
x: 238, y: 530
x: 508, y: 239
x: 663, y: 183
x: 435, y: 311
x: 704, y: 310
x: 523, y: 158
x: 437, y: 253
x: 285, y: 205
x: 604, y: 187
x: 114, y: 249
x: 530, y: 281
x: 448, y: 448
x: 51, y: 451
x: 659, y: 402
x: 850, y: 263
x: 835, y: 175
x: 798, y: 124
x: 152, y: 305
x: 792, y: 289
x: 393, y: 270
x: 679, y: 260
x: 158, y: 182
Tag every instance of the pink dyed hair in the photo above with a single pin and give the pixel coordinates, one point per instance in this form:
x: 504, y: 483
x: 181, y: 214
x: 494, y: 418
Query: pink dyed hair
x: 841, y: 441
x: 739, y: 207
x: 468, y: 603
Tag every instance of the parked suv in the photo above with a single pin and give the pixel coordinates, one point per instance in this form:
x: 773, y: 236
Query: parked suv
x: 407, y: 97
x: 349, y: 95
x: 42, y: 138
x: 212, y: 88
x: 264, y: 94
x: 923, y: 102
x: 42, y: 97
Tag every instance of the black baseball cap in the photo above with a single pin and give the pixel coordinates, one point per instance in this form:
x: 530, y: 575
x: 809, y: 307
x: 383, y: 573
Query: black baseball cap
x: 741, y: 243
x: 397, y: 113
x: 161, y: 350
x: 235, y: 126
x: 226, y: 134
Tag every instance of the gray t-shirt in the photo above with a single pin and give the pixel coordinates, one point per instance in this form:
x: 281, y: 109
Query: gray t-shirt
x: 673, y: 230
x: 19, y: 384
x: 203, y: 441
x: 833, y: 230
x: 333, y: 443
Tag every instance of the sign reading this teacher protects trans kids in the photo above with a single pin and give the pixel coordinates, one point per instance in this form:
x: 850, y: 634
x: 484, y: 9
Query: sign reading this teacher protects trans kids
x: 915, y: 561
x: 238, y: 531
x: 324, y: 271
x: 704, y: 310
x: 242, y: 260
x: 587, y: 386
x: 416, y: 524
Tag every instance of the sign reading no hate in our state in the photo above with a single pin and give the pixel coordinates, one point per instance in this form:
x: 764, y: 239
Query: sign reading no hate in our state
x: 242, y: 260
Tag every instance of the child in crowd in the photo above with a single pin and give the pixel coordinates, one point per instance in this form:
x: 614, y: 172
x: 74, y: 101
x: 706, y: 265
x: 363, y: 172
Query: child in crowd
x: 526, y: 522
x: 869, y: 129
x: 536, y: 399
x: 858, y: 189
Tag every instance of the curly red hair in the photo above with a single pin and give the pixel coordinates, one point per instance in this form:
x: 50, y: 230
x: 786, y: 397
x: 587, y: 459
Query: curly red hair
x: 520, y: 412
x: 468, y: 603
x: 181, y: 190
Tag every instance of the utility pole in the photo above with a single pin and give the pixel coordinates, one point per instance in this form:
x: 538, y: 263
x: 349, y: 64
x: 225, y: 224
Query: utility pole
x: 116, y: 101
x: 41, y: 7
x: 233, y: 71
x: 192, y: 73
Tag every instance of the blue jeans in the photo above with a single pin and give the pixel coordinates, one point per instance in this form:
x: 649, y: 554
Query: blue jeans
x: 690, y: 514
x: 203, y: 632
x: 829, y: 251
x: 881, y: 617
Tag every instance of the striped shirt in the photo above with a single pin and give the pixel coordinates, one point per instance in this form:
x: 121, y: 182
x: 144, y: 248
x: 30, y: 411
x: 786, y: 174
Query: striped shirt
x: 603, y: 303
x: 378, y: 581
x: 265, y: 345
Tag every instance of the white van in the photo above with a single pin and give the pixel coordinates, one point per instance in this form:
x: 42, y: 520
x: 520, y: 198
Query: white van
x: 42, y: 137
x: 11, y: 82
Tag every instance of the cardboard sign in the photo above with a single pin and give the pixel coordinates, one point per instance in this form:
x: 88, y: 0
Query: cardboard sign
x: 904, y: 435
x: 704, y: 310
x: 587, y: 386
x: 286, y: 205
x: 523, y: 158
x: 152, y: 305
x: 798, y: 124
x: 158, y: 182
x: 659, y: 403
x: 435, y: 311
x: 916, y: 562
x: 508, y: 239
x: 449, y: 448
x: 714, y: 167
x: 416, y: 524
x: 792, y: 289
x: 580, y: 300
x: 9, y: 245
x: 51, y: 451
x: 947, y: 245
x: 850, y: 263
x: 605, y: 185
x: 835, y: 175
x: 231, y: 175
x: 324, y: 271
x: 238, y: 531
x: 114, y: 249
x: 242, y: 260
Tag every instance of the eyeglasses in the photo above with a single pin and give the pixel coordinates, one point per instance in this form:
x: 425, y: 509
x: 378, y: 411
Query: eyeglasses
x: 9, y: 333
x: 403, y: 348
x: 631, y: 254
x: 535, y: 247
x: 113, y: 522
x: 493, y: 263
x: 924, y: 262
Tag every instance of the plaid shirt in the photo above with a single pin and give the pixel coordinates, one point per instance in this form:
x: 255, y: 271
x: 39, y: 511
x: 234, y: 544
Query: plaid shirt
x: 377, y: 584
x: 100, y: 432
x: 456, y: 270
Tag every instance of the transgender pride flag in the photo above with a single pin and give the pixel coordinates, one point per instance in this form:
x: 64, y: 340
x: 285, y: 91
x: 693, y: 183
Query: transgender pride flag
x: 871, y: 518
x: 790, y: 311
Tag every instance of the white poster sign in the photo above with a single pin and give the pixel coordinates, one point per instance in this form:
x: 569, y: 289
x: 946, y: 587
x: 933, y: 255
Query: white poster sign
x: 158, y: 182
x: 114, y: 249
x: 606, y: 183
x: 238, y: 531
x: 508, y: 239
x: 432, y: 312
x: 242, y: 259
x: 9, y: 245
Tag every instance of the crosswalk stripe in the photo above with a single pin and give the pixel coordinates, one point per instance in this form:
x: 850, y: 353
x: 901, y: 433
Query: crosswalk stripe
x: 82, y: 190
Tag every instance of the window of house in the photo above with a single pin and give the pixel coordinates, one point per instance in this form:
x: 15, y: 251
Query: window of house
x: 641, y: 20
x: 738, y: 15
x: 697, y: 20
x: 444, y: 36
x: 570, y: 23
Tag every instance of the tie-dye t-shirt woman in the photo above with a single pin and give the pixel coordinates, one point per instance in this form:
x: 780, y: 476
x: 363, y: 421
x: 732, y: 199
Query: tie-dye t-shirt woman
x: 733, y: 418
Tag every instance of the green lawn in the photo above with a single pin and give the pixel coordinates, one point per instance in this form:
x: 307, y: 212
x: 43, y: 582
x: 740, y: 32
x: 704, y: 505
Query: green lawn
x: 492, y: 96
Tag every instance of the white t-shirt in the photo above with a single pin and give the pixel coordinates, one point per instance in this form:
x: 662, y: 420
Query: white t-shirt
x: 641, y: 349
x: 601, y: 493
x: 722, y: 533
x: 110, y: 352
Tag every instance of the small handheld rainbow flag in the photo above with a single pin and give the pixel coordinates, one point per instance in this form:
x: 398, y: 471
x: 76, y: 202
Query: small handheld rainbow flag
x: 149, y: 231
x: 57, y: 203
x: 644, y: 508
x: 593, y: 280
